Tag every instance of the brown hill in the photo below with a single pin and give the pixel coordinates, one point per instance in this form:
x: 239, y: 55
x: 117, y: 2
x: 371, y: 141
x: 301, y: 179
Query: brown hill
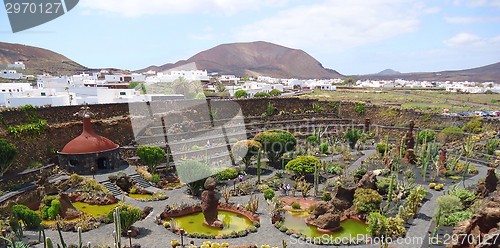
x: 38, y: 60
x: 488, y: 73
x: 256, y: 58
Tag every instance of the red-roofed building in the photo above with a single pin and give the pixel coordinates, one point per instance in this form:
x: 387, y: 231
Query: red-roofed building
x: 89, y: 150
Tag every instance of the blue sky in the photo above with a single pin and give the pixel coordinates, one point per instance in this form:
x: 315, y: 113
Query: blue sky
x: 352, y: 37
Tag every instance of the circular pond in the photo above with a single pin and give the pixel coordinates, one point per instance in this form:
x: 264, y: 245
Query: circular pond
x: 348, y: 228
x: 193, y: 223
x: 95, y: 211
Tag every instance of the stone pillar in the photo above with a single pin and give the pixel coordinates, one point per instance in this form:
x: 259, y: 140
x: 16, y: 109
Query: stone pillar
x: 367, y: 125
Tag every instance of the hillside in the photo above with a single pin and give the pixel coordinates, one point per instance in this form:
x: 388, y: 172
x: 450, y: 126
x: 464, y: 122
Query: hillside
x: 488, y: 73
x: 256, y: 58
x: 38, y: 60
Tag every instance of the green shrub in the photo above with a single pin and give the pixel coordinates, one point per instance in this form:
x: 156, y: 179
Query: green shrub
x: 366, y: 200
x: 268, y: 194
x: 383, y: 183
x: 45, y: 212
x: 312, y: 140
x: 474, y: 125
x: 426, y: 135
x: 303, y: 165
x: 323, y: 148
x: 155, y: 178
x: 8, y: 152
x: 227, y: 174
x: 377, y: 224
x: 395, y: 227
x: 245, y: 150
x: 194, y: 174
x: 451, y: 134
x: 360, y: 108
x: 296, y: 205
x: 353, y: 136
x: 455, y: 217
x: 381, y: 148
x: 492, y: 145
x: 334, y: 169
x: 448, y: 204
x: 128, y: 216
x: 466, y: 197
x: 261, y: 94
x: 359, y: 174
x: 326, y: 196
x: 28, y: 216
x: 275, y: 92
x: 151, y: 156
x: 53, y: 211
x: 275, y: 143
x: 240, y: 94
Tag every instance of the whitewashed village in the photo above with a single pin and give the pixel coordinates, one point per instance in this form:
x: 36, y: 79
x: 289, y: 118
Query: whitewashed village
x: 102, y: 87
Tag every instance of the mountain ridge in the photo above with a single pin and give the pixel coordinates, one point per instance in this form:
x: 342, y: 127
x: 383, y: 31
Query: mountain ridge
x: 38, y: 60
x: 255, y: 58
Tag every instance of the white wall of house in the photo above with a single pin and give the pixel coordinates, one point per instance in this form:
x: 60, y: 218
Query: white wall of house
x: 170, y: 76
x: 18, y: 65
x: 14, y: 87
x: 10, y: 74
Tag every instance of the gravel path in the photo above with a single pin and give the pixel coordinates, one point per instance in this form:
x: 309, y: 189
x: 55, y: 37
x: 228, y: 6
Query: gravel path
x: 153, y: 235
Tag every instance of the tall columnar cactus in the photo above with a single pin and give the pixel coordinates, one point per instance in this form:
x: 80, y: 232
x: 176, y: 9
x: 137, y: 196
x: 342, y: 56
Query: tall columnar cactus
x: 79, y: 237
x: 48, y: 243
x: 258, y: 164
x: 316, y: 179
x: 118, y: 228
x: 63, y: 244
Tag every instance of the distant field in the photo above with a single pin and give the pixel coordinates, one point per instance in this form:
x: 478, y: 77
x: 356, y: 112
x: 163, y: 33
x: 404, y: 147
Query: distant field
x: 435, y: 101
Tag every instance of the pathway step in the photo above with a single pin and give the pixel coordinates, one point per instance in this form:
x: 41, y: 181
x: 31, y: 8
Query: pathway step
x: 141, y: 181
x: 112, y: 188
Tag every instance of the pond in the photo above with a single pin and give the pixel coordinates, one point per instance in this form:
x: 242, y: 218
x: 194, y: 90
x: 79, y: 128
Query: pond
x: 141, y: 196
x: 348, y: 228
x: 193, y: 223
x: 95, y: 211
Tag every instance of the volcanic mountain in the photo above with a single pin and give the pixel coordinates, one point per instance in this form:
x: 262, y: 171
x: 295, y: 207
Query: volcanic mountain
x: 256, y: 58
x: 488, y: 73
x: 38, y: 60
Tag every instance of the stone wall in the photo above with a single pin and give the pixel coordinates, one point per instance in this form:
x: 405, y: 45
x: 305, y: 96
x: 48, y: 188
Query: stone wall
x: 112, y: 120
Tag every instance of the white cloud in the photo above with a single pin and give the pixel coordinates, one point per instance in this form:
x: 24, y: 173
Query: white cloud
x: 471, y: 19
x: 134, y: 8
x: 478, y: 3
x: 471, y: 40
x: 337, y: 24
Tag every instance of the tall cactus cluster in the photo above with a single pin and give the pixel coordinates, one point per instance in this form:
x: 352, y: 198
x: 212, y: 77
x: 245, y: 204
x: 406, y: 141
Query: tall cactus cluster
x: 48, y: 242
x: 118, y: 229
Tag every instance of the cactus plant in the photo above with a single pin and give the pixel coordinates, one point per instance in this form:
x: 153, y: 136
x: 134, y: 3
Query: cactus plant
x: 63, y: 244
x: 48, y: 243
x: 118, y: 229
x: 79, y: 237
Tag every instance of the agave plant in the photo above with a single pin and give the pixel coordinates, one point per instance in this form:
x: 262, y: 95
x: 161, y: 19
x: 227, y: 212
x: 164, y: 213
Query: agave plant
x: 352, y: 136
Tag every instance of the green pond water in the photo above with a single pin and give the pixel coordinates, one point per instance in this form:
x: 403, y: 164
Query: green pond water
x: 141, y: 196
x: 348, y: 228
x: 95, y: 211
x: 194, y: 223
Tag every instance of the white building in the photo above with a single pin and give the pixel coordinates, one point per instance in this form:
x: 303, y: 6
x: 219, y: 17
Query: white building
x: 18, y: 65
x: 254, y: 87
x: 123, y: 78
x: 228, y: 79
x: 10, y: 74
x: 172, y: 75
